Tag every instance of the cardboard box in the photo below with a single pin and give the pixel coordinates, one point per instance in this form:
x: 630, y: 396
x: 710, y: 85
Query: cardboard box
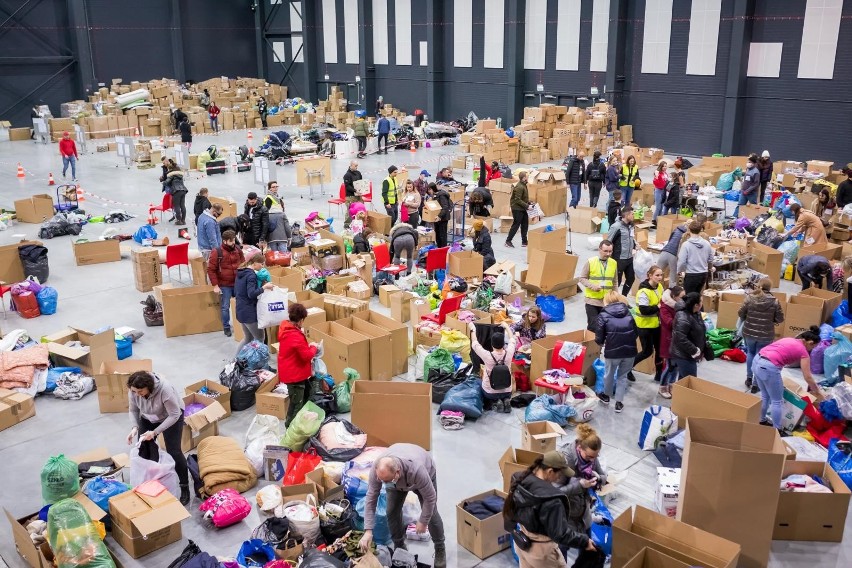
x: 666, y: 224
x: 483, y: 537
x: 540, y: 436
x: 514, y: 460
x: 697, y: 398
x: 393, y: 412
x: 553, y: 200
x: 552, y: 240
x: 191, y: 310
x: 548, y: 271
x: 95, y: 252
x: 802, y: 312
x: 101, y: 349
x: 35, y: 209
x: 586, y: 220
x: 667, y: 491
x: 385, y: 292
x: 224, y: 397
x: 202, y: 424
x: 271, y: 403
x: 831, y: 300
x: 143, y: 524
x: 327, y: 489
x: 379, y: 222
x: 339, y: 284
x: 147, y: 270
x: 229, y: 205
x: 116, y: 471
x: 499, y: 267
x: 15, y: 407
x: 751, y: 211
x: 729, y: 483
x: 728, y: 306
x: 381, y: 366
x: 453, y: 322
x: 343, y: 348
x: 399, y: 338
x: 431, y: 211
x: 796, y: 398
x: 639, y: 528
x: 650, y: 558
x: 400, y: 305
x: 815, y: 517
x: 111, y: 383
x: 767, y: 260
x: 465, y: 264
x: 275, y: 462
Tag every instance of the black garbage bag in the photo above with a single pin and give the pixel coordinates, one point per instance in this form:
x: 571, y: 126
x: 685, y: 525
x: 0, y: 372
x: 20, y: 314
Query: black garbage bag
x: 189, y: 551
x: 442, y: 382
x: 336, y: 454
x: 34, y: 260
x: 243, y: 384
x: 333, y: 527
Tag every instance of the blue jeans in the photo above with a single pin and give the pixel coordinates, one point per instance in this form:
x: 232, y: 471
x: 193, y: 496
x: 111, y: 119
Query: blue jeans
x: 659, y: 200
x: 669, y: 376
x: 750, y: 198
x: 626, y: 195
x: 214, y: 124
x: 225, y: 299
x: 69, y: 160
x: 685, y: 367
x: 494, y: 396
x: 575, y: 194
x: 752, y: 348
x: 616, y: 372
x: 768, y: 377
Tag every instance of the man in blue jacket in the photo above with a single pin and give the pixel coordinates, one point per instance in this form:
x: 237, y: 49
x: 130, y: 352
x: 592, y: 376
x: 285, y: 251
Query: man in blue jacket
x: 383, y: 127
x: 209, y: 235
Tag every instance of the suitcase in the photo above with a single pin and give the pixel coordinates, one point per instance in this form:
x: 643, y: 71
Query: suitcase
x: 216, y: 167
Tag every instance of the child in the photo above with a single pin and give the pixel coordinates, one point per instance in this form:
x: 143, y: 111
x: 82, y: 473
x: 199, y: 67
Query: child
x: 359, y: 221
x: 673, y: 190
x: 613, y: 207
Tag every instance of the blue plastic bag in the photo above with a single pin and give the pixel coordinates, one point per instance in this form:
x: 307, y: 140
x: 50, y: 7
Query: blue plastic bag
x: 123, y: 347
x: 56, y: 372
x: 600, y: 373
x: 252, y: 549
x: 144, y: 232
x: 836, y: 355
x: 100, y: 490
x: 254, y: 355
x: 840, y: 316
x: 552, y: 308
x: 825, y: 331
x: 841, y: 462
x: 381, y: 532
x: 465, y: 397
x: 440, y: 276
x: 544, y: 408
x: 47, y: 299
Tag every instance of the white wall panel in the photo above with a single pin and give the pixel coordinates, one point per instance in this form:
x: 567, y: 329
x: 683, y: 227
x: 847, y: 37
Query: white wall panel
x: 278, y: 54
x: 495, y: 28
x: 819, y: 39
x: 657, y: 36
x: 535, y: 38
x: 329, y: 30
x: 764, y: 59
x: 380, y: 32
x: 703, y: 37
x: 350, y: 20
x: 296, y: 26
x: 424, y: 53
x: 600, y: 35
x: 462, y: 40
x: 568, y: 35
x: 402, y: 19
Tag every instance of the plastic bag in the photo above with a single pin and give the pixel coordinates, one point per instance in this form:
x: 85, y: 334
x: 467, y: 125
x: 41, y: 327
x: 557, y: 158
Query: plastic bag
x: 836, y: 355
x: 144, y: 232
x: 465, y: 398
x: 99, y: 490
x: 305, y: 424
x: 841, y: 315
x: 818, y: 357
x: 545, y: 408
x: 74, y: 538
x: 600, y: 374
x: 59, y: 479
x: 315, y: 558
x: 840, y: 461
x: 271, y: 307
x: 439, y: 359
x: 601, y: 530
x: 504, y: 282
x: 842, y: 395
x: 657, y: 422
x: 163, y: 470
x: 254, y: 355
x: 47, y: 300
x: 455, y: 341
x: 343, y: 431
x: 552, y: 308
x: 381, y: 532
x: 343, y: 391
x: 585, y: 405
x: 262, y: 432
x: 336, y: 526
x: 304, y: 519
x: 642, y: 262
x: 242, y: 382
x: 55, y: 373
x: 255, y: 553
x: 298, y: 464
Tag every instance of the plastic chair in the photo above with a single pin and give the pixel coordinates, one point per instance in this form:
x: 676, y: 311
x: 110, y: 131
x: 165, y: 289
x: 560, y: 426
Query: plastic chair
x: 166, y: 205
x: 436, y: 259
x: 574, y: 367
x: 339, y: 201
x: 4, y: 289
x: 448, y: 306
x: 177, y: 255
x: 368, y: 198
x: 382, y: 254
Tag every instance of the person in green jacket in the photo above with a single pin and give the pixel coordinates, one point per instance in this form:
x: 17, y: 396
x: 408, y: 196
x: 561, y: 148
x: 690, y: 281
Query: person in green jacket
x: 519, y: 202
x: 361, y: 131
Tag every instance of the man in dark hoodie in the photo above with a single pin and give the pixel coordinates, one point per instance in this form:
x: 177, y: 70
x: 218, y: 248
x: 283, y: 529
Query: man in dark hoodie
x: 440, y: 226
x: 694, y: 259
x: 750, y: 189
x: 595, y: 174
x: 258, y: 216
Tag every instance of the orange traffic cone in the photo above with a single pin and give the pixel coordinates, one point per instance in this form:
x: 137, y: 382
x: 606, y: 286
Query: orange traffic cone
x: 251, y: 150
x: 80, y: 195
x: 136, y: 132
x: 412, y: 148
x: 50, y: 179
x: 152, y: 219
x: 21, y: 174
x: 250, y: 137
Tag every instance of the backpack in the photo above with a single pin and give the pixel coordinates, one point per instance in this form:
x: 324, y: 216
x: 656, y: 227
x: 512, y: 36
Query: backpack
x: 501, y: 376
x: 595, y: 172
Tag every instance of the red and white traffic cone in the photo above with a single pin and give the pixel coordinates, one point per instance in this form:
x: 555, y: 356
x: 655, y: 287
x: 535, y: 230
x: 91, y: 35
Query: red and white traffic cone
x: 412, y: 147
x: 21, y: 174
x: 250, y: 137
x: 50, y: 179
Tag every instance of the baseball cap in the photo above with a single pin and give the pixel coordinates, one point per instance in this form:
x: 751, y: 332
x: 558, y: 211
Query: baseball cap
x: 555, y: 460
x: 252, y: 195
x: 425, y: 173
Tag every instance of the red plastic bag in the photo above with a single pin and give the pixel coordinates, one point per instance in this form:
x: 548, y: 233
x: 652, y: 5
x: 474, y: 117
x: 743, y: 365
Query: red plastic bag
x: 26, y: 304
x: 299, y: 464
x: 276, y: 258
x: 403, y: 214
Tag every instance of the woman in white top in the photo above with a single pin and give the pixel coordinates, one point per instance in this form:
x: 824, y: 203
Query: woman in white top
x: 500, y: 354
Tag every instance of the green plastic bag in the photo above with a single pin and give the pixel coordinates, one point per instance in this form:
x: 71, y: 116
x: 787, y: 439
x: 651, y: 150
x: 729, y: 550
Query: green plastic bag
x: 305, y: 424
x: 74, y: 539
x: 720, y: 339
x: 439, y: 359
x: 343, y: 391
x: 59, y: 479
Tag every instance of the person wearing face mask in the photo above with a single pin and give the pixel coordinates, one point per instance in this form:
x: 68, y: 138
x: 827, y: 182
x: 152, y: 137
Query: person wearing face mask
x: 750, y: 189
x: 400, y: 469
x: 209, y: 235
x: 157, y: 408
x: 247, y: 291
x: 294, y: 359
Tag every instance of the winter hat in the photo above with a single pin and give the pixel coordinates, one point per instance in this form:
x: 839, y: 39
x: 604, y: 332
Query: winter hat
x: 477, y: 225
x: 392, y: 169
x: 765, y: 154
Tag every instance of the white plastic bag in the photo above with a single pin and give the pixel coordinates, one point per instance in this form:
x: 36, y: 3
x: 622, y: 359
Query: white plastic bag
x: 585, y: 407
x: 263, y: 431
x: 503, y: 285
x: 271, y: 307
x: 268, y: 498
x: 422, y: 351
x: 163, y: 470
x: 303, y: 517
x: 642, y: 262
x: 657, y: 423
x: 411, y: 509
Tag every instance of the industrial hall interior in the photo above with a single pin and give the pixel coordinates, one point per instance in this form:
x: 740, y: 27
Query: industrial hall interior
x: 425, y: 283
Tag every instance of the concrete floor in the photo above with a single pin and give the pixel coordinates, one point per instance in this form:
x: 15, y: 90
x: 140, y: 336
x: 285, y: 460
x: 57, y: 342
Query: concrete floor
x: 102, y: 295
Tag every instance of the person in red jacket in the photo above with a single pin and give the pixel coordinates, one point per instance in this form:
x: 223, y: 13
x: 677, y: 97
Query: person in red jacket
x: 222, y: 270
x: 295, y: 355
x: 68, y: 150
x: 493, y: 171
x: 213, y: 111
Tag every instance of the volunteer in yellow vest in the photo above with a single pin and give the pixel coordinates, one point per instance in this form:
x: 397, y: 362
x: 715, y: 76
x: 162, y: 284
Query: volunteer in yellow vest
x: 272, y: 195
x: 628, y: 179
x: 390, y: 193
x: 647, y: 316
x: 597, y: 278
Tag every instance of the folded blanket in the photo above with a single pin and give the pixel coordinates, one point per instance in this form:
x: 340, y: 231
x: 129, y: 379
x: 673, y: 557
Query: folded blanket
x: 17, y: 368
x: 222, y: 465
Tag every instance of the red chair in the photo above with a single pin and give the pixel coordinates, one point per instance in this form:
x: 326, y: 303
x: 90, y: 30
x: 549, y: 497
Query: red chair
x: 448, y: 306
x: 177, y: 255
x: 382, y: 254
x: 436, y: 259
x: 574, y: 367
x: 368, y: 198
x: 4, y: 289
x: 340, y: 200
x: 162, y: 208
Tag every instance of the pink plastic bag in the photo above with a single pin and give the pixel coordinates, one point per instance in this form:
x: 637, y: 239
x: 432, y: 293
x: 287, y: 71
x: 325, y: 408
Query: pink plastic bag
x: 225, y: 508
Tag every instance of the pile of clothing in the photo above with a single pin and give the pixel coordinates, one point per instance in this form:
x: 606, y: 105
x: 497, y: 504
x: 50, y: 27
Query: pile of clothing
x: 23, y: 366
x: 485, y: 508
x: 805, y: 484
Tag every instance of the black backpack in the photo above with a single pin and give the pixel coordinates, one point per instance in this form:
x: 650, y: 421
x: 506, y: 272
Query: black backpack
x: 501, y: 376
x: 595, y: 172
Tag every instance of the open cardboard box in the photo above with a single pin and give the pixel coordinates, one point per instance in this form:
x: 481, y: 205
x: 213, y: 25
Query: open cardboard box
x: 96, y: 252
x: 327, y: 489
x: 650, y: 558
x: 399, y: 338
x: 15, y: 407
x: 453, y: 322
x: 586, y: 220
x: 553, y: 240
x: 540, y: 436
x: 694, y: 397
x: 381, y: 366
x: 202, y: 424
x: 111, y: 383
x: 400, y: 306
x: 119, y: 463
x: 814, y: 517
x: 343, y: 347
x: 483, y: 537
x: 465, y: 264
x: 831, y: 300
x: 35, y: 209
x: 514, y: 460
x: 142, y: 524
x: 101, y: 348
x: 803, y: 311
x: 271, y: 403
x: 542, y: 351
x: 224, y: 397
x: 393, y: 412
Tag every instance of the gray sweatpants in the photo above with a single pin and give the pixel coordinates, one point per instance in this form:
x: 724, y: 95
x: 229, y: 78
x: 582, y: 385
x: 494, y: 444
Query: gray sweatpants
x: 668, y: 261
x: 404, y: 243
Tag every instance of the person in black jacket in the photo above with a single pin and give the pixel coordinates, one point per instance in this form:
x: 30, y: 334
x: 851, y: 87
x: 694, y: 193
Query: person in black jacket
x: 688, y: 336
x: 186, y: 133
x: 481, y: 198
x: 349, y: 178
x: 443, y: 198
x: 616, y: 332
x: 239, y: 225
x: 595, y: 175
x: 202, y: 203
x: 482, y: 244
x: 844, y: 189
x: 575, y: 176
x: 541, y: 510
x: 361, y: 242
x: 262, y: 111
x: 613, y: 206
x: 258, y: 220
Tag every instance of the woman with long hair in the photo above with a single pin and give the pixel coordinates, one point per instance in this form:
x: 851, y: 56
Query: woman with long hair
x: 672, y: 299
x: 411, y: 201
x: 531, y: 327
x: 760, y: 313
x: 582, y: 457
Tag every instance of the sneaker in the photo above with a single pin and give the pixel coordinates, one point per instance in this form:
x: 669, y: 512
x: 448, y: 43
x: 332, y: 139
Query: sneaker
x: 524, y: 245
x: 631, y: 377
x: 663, y: 392
x: 748, y: 383
x: 619, y: 407
x: 507, y: 408
x: 510, y: 245
x: 228, y: 332
x: 754, y: 389
x: 604, y: 398
x: 765, y: 422
x: 497, y: 406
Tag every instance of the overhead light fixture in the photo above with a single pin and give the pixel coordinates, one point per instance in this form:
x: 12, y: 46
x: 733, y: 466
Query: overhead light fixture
x: 550, y: 96
x: 326, y: 77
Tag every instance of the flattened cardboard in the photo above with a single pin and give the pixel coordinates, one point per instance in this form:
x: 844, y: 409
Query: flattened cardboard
x: 96, y: 252
x: 224, y: 397
x: 694, y: 397
x: 813, y: 517
x: 191, y: 310
x: 111, y: 383
x: 393, y: 412
x: 343, y: 348
x: 35, y: 209
x: 483, y: 537
x: 399, y: 338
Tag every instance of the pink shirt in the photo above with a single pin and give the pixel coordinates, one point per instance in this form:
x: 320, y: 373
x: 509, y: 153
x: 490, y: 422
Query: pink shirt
x: 785, y: 351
